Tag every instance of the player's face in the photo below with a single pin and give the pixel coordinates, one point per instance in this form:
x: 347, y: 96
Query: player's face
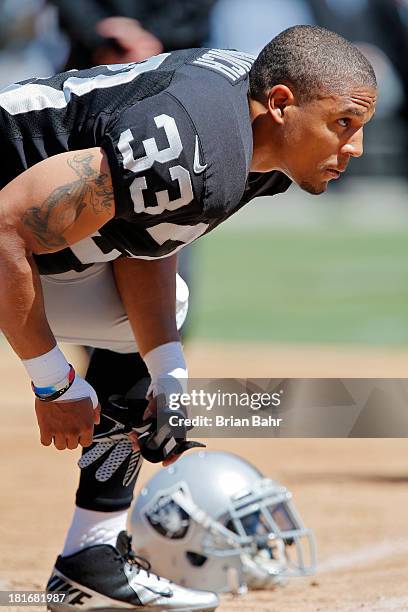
x: 323, y: 135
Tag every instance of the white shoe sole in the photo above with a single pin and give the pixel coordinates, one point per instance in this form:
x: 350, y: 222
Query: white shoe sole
x: 119, y: 608
x: 102, y: 603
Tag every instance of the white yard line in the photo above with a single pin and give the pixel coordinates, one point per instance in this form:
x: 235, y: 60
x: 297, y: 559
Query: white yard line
x: 364, y: 556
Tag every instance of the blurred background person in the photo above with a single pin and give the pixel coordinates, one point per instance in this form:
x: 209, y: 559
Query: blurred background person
x: 119, y: 31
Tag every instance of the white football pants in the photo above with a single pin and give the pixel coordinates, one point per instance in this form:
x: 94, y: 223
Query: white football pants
x: 85, y: 308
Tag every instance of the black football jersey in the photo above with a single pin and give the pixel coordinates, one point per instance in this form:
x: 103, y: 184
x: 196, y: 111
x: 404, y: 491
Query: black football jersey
x: 177, y: 134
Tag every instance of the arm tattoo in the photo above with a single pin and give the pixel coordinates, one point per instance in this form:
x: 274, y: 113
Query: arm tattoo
x: 62, y: 207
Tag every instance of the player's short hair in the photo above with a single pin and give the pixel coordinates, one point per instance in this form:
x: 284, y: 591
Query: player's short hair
x: 313, y: 62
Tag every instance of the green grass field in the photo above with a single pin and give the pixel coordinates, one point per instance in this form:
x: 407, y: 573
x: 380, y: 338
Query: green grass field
x: 319, y: 286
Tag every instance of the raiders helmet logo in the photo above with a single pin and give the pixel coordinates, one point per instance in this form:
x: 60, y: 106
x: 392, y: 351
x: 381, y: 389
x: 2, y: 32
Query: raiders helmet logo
x: 167, y: 517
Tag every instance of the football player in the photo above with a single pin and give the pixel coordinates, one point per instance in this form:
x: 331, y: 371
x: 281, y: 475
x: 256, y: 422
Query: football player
x: 106, y: 174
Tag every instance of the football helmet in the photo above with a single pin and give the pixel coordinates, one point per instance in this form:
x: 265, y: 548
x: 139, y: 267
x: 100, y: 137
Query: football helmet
x: 213, y: 521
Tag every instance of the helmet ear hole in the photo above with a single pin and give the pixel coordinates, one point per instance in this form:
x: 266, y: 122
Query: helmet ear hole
x: 195, y: 558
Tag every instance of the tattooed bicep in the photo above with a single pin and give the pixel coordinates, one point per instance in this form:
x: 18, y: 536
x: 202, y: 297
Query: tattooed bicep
x: 66, y: 198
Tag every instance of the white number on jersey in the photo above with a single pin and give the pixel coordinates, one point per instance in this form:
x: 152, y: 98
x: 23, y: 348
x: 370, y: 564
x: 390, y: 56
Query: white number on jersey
x: 177, y: 173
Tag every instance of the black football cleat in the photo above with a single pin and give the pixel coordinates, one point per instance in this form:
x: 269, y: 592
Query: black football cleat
x: 102, y: 578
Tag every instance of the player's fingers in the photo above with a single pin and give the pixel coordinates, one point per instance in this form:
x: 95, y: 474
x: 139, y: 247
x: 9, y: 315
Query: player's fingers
x: 60, y: 442
x: 97, y: 415
x: 86, y: 439
x: 45, y: 438
x: 72, y: 442
x: 134, y: 439
x: 170, y: 460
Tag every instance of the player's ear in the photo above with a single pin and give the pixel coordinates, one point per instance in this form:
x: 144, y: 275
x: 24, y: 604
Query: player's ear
x: 279, y: 98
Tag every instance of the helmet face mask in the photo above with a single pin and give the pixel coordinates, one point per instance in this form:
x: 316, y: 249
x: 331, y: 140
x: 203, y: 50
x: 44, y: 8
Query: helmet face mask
x: 271, y: 535
x: 212, y: 521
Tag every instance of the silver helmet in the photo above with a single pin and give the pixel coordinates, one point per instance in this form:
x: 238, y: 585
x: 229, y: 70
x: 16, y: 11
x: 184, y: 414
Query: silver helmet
x: 212, y: 521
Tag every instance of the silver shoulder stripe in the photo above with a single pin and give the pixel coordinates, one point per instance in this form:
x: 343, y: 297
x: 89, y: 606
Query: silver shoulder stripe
x: 18, y: 99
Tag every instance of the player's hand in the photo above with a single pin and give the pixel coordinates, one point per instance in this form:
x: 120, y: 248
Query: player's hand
x: 149, y: 412
x: 67, y: 424
x: 132, y: 42
x: 133, y: 436
x: 155, y: 435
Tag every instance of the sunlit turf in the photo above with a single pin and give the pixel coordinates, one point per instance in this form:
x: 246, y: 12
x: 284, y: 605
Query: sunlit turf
x: 341, y: 286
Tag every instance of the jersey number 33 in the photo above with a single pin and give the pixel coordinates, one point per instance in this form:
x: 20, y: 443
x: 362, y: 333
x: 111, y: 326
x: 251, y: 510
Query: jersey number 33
x: 154, y: 155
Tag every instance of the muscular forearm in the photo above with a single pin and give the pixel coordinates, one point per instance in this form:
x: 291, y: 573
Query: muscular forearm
x: 22, y: 316
x: 148, y: 292
x: 53, y: 204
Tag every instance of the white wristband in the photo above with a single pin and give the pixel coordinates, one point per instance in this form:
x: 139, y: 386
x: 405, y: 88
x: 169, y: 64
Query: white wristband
x: 52, y: 367
x: 166, y: 361
x: 48, y: 369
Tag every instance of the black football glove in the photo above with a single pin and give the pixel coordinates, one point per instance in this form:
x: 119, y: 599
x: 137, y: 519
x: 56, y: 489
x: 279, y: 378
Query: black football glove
x: 157, y: 439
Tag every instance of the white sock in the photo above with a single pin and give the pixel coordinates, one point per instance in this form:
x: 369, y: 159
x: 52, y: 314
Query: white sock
x: 89, y: 527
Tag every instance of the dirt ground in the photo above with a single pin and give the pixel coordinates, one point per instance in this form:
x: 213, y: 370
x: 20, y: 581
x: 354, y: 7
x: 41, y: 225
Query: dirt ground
x: 352, y: 493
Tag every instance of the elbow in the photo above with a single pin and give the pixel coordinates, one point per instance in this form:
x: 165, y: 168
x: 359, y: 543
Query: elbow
x: 13, y: 236
x: 13, y: 248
